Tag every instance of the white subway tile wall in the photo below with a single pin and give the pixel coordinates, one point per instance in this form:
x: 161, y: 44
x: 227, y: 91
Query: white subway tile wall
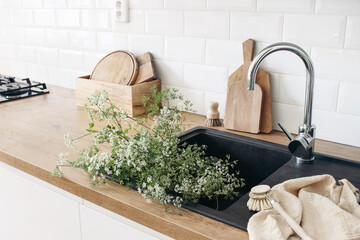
x: 196, y: 44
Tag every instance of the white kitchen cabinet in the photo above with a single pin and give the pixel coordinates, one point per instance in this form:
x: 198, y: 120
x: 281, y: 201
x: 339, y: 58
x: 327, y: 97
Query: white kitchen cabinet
x: 95, y: 226
x: 29, y: 211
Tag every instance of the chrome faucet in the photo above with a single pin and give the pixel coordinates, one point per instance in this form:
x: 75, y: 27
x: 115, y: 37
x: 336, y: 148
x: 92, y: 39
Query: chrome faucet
x: 301, y: 146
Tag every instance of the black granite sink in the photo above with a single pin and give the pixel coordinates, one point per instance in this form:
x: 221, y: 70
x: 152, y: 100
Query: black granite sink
x: 259, y: 162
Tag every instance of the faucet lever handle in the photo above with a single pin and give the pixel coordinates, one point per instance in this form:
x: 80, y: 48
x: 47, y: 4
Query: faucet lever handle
x: 286, y: 131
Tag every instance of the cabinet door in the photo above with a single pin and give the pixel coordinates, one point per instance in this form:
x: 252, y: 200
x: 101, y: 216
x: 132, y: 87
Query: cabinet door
x: 95, y: 226
x: 29, y: 211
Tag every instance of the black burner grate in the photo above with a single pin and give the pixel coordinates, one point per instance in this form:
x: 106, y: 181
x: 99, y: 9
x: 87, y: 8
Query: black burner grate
x: 12, y: 88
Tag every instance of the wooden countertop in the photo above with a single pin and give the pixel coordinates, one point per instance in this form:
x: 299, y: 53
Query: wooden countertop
x: 31, y: 138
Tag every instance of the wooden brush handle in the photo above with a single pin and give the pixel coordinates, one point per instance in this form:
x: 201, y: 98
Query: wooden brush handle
x: 296, y: 227
x: 213, y: 112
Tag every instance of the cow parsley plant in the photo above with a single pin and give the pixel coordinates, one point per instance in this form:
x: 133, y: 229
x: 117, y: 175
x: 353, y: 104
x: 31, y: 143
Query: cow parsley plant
x: 146, y: 154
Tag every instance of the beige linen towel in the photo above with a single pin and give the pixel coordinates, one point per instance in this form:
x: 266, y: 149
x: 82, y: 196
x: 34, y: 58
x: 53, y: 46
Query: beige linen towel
x: 324, y: 210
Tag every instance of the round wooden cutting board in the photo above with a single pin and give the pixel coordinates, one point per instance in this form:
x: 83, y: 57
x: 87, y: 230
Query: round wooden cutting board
x: 117, y: 67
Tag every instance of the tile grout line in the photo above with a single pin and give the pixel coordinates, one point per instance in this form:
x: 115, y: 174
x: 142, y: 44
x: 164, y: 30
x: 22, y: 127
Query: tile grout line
x: 345, y: 31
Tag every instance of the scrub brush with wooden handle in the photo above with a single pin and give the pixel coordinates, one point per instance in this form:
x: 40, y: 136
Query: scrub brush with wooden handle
x: 212, y: 116
x: 261, y: 200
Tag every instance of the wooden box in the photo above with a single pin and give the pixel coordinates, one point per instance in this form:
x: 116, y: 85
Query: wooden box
x: 130, y: 98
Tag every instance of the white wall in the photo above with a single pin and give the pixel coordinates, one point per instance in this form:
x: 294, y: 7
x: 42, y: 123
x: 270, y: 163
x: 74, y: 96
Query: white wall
x: 196, y: 45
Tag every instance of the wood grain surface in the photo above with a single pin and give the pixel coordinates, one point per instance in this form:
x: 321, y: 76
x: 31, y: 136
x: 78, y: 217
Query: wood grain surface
x: 130, y: 98
x: 31, y: 138
x: 243, y: 107
x: 263, y: 80
x: 117, y: 67
x: 146, y: 69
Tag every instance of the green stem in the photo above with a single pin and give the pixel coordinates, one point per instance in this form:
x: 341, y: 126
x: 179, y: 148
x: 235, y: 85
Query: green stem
x: 82, y: 136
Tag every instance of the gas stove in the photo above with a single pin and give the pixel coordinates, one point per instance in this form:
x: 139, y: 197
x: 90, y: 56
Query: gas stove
x: 12, y: 88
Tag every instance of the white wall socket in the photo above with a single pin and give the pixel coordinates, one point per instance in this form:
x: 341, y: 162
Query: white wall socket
x: 121, y: 11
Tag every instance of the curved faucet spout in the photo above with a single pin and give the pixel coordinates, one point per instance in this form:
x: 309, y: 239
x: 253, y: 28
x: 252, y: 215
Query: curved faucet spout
x: 284, y: 46
x: 301, y: 146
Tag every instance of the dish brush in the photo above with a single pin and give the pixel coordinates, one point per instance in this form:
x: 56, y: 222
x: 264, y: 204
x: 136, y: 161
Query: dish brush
x: 258, y: 200
x: 212, y: 115
x: 261, y: 200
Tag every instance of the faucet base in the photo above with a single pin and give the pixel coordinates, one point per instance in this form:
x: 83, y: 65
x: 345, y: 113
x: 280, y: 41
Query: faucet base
x: 300, y: 160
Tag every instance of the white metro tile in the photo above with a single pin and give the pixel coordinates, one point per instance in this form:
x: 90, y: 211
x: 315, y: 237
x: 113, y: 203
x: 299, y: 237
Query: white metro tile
x: 104, y: 3
x: 8, y: 51
x: 139, y: 44
x: 32, y: 3
x: 352, y: 39
x: 61, y: 77
x: 68, y: 18
x: 337, y: 64
x: 232, y: 5
x: 6, y: 18
x: 71, y: 59
x: 207, y: 24
x: 185, y: 4
x: 349, y: 98
x: 47, y: 56
x: 14, y: 35
x: 325, y: 94
x: 18, y: 69
x: 292, y: 90
x: 2, y: 38
x: 196, y: 97
x: 108, y: 41
x: 5, y: 67
x: 57, y: 37
x: 85, y: 40
x: 224, y: 53
x: 275, y: 86
x: 55, y: 3
x: 38, y: 73
x: 291, y: 116
x: 91, y: 60
x: 258, y: 26
x: 208, y: 78
x: 11, y: 3
x: 44, y: 17
x: 136, y: 23
x: 26, y: 53
x: 185, y: 49
x: 338, y: 7
x: 146, y: 4
x: 286, y: 6
x: 76, y: 74
x: 169, y: 22
x: 81, y: 3
x: 337, y: 127
x: 170, y: 73
x: 283, y: 61
x: 23, y: 17
x: 35, y: 36
x: 217, y: 97
x: 312, y: 29
x: 96, y: 19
